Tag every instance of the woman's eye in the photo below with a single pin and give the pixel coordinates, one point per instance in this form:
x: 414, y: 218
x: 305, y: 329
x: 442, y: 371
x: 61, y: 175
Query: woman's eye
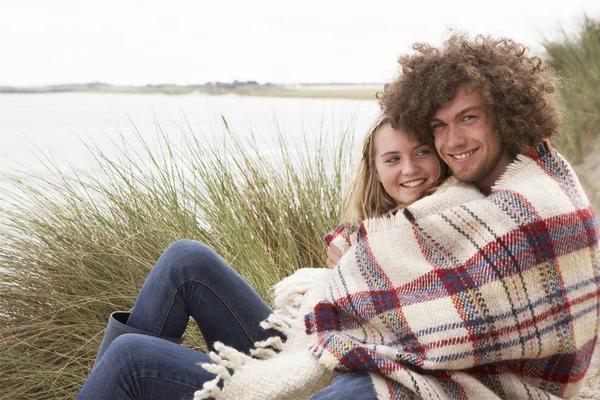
x: 423, y: 152
x: 392, y: 160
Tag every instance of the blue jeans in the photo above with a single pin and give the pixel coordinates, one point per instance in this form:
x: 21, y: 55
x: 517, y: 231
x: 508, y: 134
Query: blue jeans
x: 189, y: 279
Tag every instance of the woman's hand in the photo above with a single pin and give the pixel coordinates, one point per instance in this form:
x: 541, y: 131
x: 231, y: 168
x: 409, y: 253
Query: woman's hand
x: 333, y: 256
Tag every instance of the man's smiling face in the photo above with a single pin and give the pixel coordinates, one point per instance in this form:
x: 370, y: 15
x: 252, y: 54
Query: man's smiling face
x: 465, y: 139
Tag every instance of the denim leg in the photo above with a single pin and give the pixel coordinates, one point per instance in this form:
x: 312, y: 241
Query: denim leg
x: 145, y: 367
x: 117, y: 326
x: 190, y: 279
x: 348, y: 386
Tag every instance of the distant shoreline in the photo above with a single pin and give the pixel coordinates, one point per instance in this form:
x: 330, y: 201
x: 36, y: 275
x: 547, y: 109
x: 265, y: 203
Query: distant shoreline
x: 331, y: 90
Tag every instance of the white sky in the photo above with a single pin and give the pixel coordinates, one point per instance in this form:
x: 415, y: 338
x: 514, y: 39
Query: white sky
x: 282, y: 41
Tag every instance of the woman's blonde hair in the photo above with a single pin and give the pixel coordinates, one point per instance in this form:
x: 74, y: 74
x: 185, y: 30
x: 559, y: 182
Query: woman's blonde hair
x: 366, y: 197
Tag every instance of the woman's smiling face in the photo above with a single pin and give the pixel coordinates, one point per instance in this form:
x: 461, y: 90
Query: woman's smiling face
x: 405, y: 167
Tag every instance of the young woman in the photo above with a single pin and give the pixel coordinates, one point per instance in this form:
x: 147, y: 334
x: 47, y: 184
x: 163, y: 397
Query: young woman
x: 190, y: 279
x: 395, y: 170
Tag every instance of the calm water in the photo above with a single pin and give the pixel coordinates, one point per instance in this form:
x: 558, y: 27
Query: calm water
x: 59, y: 125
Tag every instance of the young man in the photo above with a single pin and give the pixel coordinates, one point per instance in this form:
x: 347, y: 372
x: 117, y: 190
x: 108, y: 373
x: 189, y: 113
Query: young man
x: 483, y: 100
x: 497, y: 297
x: 464, y: 138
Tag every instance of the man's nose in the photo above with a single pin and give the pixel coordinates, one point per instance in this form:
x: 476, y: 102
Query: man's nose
x: 455, y: 137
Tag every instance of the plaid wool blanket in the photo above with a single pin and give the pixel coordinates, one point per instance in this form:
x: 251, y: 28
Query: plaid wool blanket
x: 495, y: 298
x: 460, y: 296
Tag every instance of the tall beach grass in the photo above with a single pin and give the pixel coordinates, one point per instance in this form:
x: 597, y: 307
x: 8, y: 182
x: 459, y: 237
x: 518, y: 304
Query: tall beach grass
x: 577, y: 59
x: 77, y: 245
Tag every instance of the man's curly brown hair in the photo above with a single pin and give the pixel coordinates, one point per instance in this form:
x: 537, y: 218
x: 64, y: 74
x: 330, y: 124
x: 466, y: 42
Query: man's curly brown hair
x: 518, y: 90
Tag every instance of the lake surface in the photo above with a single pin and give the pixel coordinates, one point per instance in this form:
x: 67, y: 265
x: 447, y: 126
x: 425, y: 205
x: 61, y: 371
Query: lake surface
x: 59, y: 125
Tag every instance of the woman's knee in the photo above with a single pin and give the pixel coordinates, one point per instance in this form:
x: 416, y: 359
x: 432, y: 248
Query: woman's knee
x: 122, y: 354
x: 132, y: 350
x: 190, y: 258
x: 127, y: 345
x: 187, y: 247
x: 136, y: 364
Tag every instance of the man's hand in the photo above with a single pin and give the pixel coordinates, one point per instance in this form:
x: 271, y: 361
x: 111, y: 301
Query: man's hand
x: 333, y: 256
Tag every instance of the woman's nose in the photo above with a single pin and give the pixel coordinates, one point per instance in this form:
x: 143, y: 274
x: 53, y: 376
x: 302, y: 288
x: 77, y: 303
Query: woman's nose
x: 409, y: 167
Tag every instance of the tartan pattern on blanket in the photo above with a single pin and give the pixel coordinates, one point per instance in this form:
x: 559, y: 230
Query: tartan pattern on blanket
x: 495, y: 298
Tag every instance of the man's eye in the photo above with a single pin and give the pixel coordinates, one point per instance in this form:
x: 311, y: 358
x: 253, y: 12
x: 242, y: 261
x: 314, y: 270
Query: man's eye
x: 437, y: 126
x: 469, y: 117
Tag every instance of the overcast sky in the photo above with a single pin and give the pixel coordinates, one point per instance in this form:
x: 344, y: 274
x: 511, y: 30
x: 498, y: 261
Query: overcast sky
x: 138, y: 42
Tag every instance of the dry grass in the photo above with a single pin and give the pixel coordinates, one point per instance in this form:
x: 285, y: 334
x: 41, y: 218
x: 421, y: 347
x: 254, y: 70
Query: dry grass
x: 577, y: 59
x: 78, y: 245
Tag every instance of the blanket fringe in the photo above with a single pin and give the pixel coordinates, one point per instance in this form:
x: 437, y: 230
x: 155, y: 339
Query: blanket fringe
x: 209, y: 390
x: 289, y: 297
x: 267, y: 348
x: 279, y: 322
x: 228, y: 359
x: 587, y: 393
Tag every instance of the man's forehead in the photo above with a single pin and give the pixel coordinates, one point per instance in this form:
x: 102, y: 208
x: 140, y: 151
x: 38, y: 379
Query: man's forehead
x: 465, y: 98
